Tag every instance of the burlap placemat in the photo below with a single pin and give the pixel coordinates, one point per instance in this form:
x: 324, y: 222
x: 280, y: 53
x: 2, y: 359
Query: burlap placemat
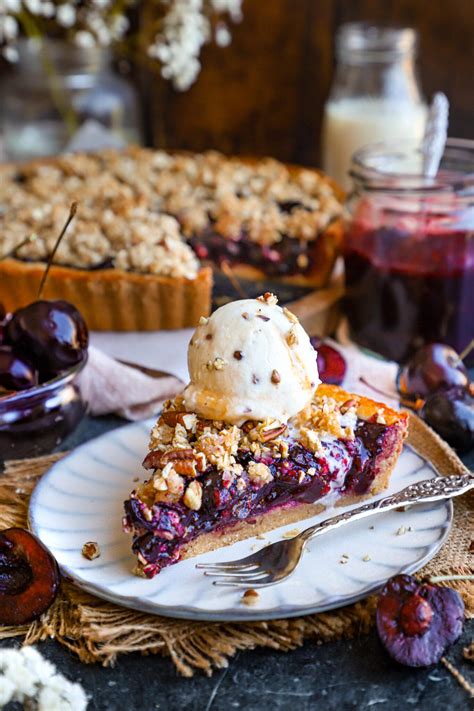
x: 98, y: 631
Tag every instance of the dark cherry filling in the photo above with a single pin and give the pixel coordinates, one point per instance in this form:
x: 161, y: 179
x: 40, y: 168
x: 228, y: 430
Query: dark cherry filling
x: 279, y: 259
x: 159, y: 541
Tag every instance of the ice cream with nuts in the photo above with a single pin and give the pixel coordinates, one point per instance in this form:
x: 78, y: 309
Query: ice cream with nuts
x: 226, y: 462
x: 250, y: 360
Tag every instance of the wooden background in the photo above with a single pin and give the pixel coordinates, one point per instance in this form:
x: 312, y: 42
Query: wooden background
x: 265, y: 93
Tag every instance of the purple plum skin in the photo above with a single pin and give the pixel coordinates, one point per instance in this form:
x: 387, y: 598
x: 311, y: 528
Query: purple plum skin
x: 426, y: 648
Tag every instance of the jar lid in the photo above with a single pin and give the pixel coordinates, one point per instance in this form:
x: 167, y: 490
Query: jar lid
x: 398, y: 167
x: 364, y: 42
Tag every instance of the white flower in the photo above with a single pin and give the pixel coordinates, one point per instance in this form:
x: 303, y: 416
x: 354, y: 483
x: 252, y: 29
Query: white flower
x: 186, y: 27
x: 34, y: 6
x: 11, y: 5
x: 61, y: 695
x: 48, y: 9
x: 12, y: 664
x: 84, y: 39
x: 231, y: 7
x: 119, y: 26
x: 37, y: 665
x: 8, y: 28
x: 66, y: 15
x: 7, y: 691
x: 10, y: 54
x: 25, y: 676
x: 222, y: 35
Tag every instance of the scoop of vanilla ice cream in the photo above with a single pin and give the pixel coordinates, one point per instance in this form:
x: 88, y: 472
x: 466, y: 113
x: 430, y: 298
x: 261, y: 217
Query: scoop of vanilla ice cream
x: 251, y: 360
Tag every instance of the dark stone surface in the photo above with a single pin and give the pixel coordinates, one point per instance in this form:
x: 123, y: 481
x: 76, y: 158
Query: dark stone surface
x: 334, y: 676
x: 337, y: 675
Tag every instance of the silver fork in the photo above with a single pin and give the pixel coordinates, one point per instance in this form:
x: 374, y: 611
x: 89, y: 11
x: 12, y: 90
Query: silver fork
x: 275, y: 562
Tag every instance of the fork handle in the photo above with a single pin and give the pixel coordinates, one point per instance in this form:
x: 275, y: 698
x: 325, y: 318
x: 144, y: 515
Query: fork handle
x: 435, y: 489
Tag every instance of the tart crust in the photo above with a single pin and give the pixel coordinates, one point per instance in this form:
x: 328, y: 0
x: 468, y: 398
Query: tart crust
x: 112, y: 299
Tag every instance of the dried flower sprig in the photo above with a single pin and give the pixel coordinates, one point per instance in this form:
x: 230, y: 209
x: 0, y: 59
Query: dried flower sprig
x: 174, y: 39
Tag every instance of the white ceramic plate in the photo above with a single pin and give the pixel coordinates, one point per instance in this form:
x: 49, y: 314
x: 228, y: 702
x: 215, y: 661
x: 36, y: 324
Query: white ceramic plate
x: 81, y: 499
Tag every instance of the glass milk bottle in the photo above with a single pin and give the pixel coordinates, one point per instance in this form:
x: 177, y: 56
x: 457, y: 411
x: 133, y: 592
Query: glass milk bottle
x: 375, y: 94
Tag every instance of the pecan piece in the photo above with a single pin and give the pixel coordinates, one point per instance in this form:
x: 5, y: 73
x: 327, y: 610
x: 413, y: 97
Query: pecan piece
x: 247, y: 426
x: 152, y: 459
x: 272, y: 434
x: 201, y: 426
x: 346, y: 406
x: 91, y: 550
x: 185, y: 467
x: 250, y: 597
x: 172, y: 417
x: 176, y: 455
x: 183, y: 460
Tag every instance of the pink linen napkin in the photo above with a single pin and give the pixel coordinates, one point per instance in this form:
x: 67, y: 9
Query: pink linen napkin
x: 108, y: 386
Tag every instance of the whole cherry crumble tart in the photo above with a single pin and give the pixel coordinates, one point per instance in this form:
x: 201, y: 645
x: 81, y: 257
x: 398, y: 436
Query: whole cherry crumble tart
x: 150, y: 226
x: 254, y: 442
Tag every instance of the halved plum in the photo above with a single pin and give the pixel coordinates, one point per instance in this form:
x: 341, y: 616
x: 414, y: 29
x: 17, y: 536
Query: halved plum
x: 29, y: 577
x: 416, y: 621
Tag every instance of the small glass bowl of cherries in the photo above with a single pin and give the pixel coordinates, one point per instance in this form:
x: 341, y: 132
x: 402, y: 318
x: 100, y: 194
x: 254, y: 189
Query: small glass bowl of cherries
x: 43, y: 348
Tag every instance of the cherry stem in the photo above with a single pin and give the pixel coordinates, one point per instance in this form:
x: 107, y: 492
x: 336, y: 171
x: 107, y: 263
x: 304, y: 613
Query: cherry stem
x: 467, y: 350
x: 11, y: 252
x: 414, y: 405
x: 376, y: 390
x: 447, y: 578
x: 72, y: 212
x: 458, y: 676
x: 227, y: 269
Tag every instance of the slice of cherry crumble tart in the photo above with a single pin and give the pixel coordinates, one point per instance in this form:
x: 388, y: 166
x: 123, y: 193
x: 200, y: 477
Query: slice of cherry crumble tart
x: 254, y: 442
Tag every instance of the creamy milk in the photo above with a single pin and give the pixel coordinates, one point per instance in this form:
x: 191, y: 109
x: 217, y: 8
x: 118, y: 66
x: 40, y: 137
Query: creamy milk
x: 350, y: 124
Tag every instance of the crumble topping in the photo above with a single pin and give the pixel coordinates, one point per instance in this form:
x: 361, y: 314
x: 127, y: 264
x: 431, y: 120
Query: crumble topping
x: 208, y: 474
x: 183, y: 445
x: 138, y: 207
x: 326, y: 418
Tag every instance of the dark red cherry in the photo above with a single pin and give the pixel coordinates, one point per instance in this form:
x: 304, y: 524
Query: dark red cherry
x: 416, y: 622
x: 331, y: 364
x: 29, y: 577
x: 15, y: 373
x: 53, y: 334
x: 451, y: 414
x: 433, y: 367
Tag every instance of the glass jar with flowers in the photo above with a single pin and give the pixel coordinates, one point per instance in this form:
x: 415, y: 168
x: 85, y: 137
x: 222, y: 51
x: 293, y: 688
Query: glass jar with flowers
x: 62, y: 91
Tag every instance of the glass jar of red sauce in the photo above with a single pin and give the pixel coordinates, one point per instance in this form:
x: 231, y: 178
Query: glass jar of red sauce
x: 409, y: 249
